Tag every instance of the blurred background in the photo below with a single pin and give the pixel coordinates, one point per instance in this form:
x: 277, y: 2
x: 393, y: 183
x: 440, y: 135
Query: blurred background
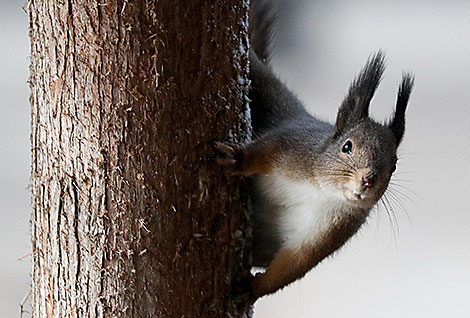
x: 415, y: 263
x: 14, y: 158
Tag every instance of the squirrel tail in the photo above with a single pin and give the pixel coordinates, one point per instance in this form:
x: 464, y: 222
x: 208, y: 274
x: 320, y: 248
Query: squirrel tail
x: 271, y: 101
x: 261, y: 30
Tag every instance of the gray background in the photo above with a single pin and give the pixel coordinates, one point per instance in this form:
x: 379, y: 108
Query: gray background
x: 14, y: 158
x: 419, y: 267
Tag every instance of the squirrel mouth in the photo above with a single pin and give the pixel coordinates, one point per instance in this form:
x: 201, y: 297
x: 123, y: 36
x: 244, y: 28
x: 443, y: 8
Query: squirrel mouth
x: 359, y: 195
x: 363, y: 199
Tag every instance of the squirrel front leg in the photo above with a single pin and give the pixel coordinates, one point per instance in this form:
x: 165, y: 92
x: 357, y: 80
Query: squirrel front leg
x: 286, y: 267
x: 257, y: 157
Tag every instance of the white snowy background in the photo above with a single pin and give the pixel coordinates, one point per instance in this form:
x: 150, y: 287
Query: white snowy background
x: 419, y: 267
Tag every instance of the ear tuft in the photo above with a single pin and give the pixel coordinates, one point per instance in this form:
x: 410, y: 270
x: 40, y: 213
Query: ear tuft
x: 356, y: 104
x: 397, y: 123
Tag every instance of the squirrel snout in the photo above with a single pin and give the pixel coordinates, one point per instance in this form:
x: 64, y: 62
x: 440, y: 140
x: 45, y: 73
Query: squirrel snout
x: 366, y: 178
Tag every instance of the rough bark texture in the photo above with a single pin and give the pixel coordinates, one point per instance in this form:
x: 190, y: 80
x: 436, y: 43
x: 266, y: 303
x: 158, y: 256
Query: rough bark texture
x: 131, y: 215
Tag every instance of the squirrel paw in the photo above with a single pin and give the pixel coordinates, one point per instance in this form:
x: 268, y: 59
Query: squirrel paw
x: 242, y: 290
x: 232, y: 160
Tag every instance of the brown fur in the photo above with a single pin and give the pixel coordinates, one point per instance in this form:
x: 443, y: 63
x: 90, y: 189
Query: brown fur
x: 290, y: 265
x: 257, y: 157
x: 295, y: 145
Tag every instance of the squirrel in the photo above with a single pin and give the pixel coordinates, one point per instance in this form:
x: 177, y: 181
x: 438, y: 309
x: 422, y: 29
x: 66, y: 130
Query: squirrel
x: 315, y: 182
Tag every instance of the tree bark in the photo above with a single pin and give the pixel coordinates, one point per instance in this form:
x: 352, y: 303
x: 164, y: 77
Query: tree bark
x: 131, y: 215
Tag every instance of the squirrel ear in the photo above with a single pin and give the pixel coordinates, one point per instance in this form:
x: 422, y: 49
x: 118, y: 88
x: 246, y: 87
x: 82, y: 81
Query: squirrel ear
x: 397, y: 123
x: 356, y: 104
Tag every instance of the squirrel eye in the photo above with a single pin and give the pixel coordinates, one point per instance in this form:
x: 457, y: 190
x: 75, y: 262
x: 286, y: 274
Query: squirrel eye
x: 347, y: 147
x: 394, y: 168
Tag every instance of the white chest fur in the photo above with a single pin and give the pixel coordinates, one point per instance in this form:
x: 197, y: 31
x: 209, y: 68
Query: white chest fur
x: 299, y: 210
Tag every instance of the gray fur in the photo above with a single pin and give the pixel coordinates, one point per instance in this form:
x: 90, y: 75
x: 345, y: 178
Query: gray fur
x: 307, y: 151
x: 309, y: 148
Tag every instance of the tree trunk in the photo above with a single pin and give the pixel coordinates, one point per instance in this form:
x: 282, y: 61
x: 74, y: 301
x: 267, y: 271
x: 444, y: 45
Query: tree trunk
x: 131, y: 215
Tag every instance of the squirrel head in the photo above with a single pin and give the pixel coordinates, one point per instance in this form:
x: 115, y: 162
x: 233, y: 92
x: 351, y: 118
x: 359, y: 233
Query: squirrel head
x: 362, y: 154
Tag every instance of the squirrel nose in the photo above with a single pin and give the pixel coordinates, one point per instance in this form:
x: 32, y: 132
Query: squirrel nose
x: 368, y: 180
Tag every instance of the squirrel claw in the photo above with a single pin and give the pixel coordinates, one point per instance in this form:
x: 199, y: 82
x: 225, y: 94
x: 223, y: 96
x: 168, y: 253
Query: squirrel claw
x: 242, y: 290
x: 227, y: 149
x: 226, y: 162
x: 246, y: 298
x: 231, y: 162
